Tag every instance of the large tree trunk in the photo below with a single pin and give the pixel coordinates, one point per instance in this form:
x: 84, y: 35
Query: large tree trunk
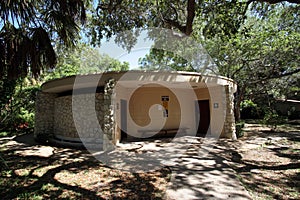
x: 7, y: 88
x: 239, y: 95
x: 237, y: 111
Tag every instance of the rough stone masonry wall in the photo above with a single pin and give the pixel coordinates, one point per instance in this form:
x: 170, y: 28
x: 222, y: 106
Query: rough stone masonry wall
x: 87, y: 124
x: 88, y: 118
x: 229, y: 124
x: 82, y: 119
x: 44, y: 116
x: 109, y: 115
x: 63, y: 117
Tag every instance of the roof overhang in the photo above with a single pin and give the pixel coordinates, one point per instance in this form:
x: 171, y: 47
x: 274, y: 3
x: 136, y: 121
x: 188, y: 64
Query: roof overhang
x: 137, y: 78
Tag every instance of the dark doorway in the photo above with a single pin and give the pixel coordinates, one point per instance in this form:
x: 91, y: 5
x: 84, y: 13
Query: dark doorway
x: 123, y: 117
x: 202, y: 117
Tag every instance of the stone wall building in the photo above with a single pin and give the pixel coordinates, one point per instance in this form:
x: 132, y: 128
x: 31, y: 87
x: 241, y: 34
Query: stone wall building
x: 116, y: 106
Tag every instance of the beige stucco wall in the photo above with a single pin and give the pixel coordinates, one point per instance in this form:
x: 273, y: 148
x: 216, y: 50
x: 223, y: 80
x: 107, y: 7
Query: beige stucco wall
x: 143, y: 99
x: 145, y: 111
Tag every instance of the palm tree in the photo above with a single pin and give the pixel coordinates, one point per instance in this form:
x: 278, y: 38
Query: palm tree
x: 28, y: 29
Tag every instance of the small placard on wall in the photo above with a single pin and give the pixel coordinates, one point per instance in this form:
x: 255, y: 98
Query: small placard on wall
x: 216, y: 105
x: 165, y: 98
x: 165, y: 104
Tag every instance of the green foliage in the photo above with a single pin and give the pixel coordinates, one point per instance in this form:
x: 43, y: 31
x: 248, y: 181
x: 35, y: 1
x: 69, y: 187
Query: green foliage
x: 250, y: 110
x: 222, y: 18
x: 248, y: 104
x: 7, y: 88
x: 272, y: 119
x: 82, y: 60
x: 30, y: 195
x: 27, y: 32
x: 164, y: 60
x: 239, y: 129
x: 112, y: 17
x: 263, y: 56
x: 18, y: 113
x: 4, y: 134
x: 26, y: 117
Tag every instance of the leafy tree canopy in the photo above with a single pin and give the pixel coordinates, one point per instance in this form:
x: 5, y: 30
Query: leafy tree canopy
x: 221, y: 17
x: 261, y: 53
x: 28, y: 29
x: 263, y: 56
x: 29, y: 32
x: 82, y: 60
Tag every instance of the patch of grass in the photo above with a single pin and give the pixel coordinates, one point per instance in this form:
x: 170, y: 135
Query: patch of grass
x: 4, y: 134
x: 287, y: 128
x: 294, y: 194
x: 22, y: 172
x: 5, y: 173
x: 49, y: 187
x: 29, y: 196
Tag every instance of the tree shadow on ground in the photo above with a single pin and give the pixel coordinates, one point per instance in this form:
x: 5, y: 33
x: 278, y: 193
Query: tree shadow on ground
x: 268, y: 162
x: 194, y: 175
x: 198, y: 172
x: 35, y: 170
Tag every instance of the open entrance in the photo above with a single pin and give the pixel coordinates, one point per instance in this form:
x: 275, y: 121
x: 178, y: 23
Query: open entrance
x: 202, y: 117
x: 123, y: 119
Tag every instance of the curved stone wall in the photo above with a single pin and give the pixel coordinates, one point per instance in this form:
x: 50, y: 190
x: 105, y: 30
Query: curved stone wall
x: 63, y: 119
x: 44, y: 116
x: 64, y: 126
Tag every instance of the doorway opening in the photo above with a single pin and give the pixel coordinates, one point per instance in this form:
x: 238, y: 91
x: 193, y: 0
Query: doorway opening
x: 123, y: 117
x: 202, y: 117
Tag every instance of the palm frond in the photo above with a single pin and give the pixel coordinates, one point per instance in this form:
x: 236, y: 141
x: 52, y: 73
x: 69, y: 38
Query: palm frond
x: 28, y: 30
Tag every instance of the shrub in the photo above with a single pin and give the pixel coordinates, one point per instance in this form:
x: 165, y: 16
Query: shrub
x: 272, y: 119
x: 239, y: 129
x: 249, y: 110
x: 18, y: 113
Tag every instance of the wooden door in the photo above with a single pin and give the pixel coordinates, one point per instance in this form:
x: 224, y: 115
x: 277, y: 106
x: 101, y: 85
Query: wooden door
x: 123, y: 119
x: 202, y: 117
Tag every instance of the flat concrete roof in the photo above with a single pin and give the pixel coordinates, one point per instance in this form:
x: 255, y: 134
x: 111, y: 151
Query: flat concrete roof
x: 134, y: 78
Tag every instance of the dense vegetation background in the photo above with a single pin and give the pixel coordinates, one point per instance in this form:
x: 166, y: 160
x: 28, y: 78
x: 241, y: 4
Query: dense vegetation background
x: 256, y: 43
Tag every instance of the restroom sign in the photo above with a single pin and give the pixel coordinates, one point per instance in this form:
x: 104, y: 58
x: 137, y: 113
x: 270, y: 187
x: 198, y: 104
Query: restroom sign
x: 165, y: 104
x: 165, y: 98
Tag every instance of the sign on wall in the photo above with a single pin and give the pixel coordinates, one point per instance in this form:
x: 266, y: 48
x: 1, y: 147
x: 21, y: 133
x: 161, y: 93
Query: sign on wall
x: 165, y: 104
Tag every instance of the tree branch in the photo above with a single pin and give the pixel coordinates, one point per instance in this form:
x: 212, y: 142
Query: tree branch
x: 188, y: 27
x: 190, y: 17
x: 277, y: 76
x: 278, y: 1
x: 175, y: 24
x: 172, y: 22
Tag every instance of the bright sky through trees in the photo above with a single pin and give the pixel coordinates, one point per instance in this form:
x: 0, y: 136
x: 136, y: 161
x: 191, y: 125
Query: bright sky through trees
x: 140, y: 49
